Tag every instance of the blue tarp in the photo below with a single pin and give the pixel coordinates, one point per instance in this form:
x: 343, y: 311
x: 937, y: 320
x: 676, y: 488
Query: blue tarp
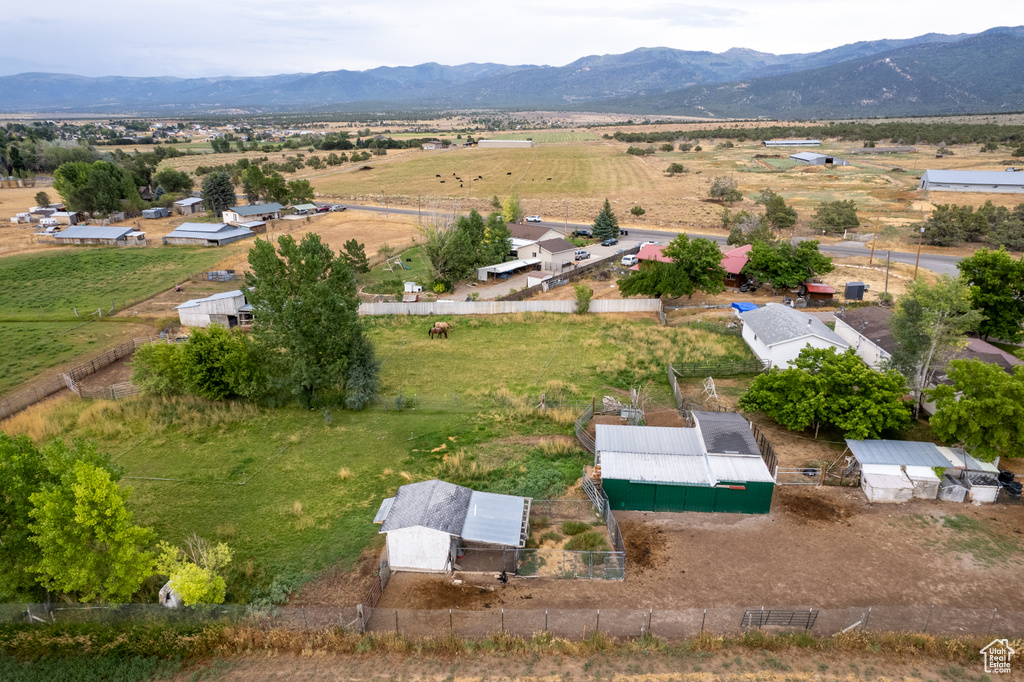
x: 744, y: 307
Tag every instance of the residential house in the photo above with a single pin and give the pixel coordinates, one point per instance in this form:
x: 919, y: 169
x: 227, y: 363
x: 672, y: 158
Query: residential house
x: 242, y: 214
x: 189, y: 206
x: 716, y: 466
x: 533, y: 233
x: 867, y: 331
x: 777, y: 333
x: 95, y: 234
x: 733, y: 261
x: 228, y: 309
x: 206, y: 234
x: 427, y: 523
x: 555, y: 254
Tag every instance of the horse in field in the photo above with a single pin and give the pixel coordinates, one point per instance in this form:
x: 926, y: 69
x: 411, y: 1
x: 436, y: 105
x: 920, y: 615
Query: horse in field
x: 438, y: 331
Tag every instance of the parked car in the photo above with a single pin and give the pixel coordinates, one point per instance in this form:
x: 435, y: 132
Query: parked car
x: 582, y: 233
x: 650, y: 241
x: 533, y: 219
x: 323, y: 209
x: 610, y: 242
x: 630, y: 260
x: 581, y: 254
x: 338, y: 207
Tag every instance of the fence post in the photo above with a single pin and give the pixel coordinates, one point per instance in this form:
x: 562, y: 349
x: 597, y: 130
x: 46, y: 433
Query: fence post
x: 650, y: 617
x: 503, y: 621
x: 598, y: 628
x: 991, y: 622
x: 703, y: 618
x: 451, y: 626
x: 545, y: 620
x: 927, y: 622
x: 396, y: 621
x: 867, y: 618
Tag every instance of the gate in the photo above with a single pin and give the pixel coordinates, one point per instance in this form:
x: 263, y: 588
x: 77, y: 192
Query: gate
x: 799, y: 476
x: 779, y: 618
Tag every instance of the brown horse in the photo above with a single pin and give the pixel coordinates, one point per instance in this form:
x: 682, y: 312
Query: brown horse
x: 438, y: 331
x: 447, y: 326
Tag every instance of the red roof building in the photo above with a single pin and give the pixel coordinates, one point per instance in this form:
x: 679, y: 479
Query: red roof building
x: 732, y: 260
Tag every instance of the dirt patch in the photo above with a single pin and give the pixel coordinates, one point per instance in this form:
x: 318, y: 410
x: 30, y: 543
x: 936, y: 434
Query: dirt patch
x: 116, y: 373
x: 338, y: 586
x: 663, y: 417
x: 809, y: 505
x: 645, y: 546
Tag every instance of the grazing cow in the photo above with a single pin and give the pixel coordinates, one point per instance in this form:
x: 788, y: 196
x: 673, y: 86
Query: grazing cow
x: 508, y: 174
x: 442, y: 182
x: 437, y: 331
x: 438, y: 175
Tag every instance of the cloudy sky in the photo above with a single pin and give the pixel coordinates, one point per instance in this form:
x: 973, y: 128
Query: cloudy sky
x: 258, y: 37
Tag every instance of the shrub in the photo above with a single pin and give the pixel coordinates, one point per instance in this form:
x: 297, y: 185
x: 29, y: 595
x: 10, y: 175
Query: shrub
x: 575, y: 527
x: 590, y: 541
x: 583, y: 296
x: 554, y: 536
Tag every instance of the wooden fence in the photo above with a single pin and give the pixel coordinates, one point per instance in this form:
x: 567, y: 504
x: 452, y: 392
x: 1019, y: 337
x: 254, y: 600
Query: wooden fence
x: 68, y: 378
x: 504, y: 307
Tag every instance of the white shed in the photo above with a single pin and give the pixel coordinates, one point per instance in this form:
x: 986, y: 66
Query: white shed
x: 228, y: 309
x: 777, y: 333
x: 885, y: 483
x: 426, y: 523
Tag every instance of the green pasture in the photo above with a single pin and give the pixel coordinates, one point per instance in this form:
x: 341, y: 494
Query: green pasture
x: 381, y: 281
x: 55, y: 283
x: 542, y: 137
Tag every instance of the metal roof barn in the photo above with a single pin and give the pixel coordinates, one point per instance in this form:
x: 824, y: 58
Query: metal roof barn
x: 726, y: 433
x: 94, y: 232
x: 649, y: 468
x: 256, y: 209
x: 972, y: 181
x: 898, y: 452
x: 791, y: 143
x: 739, y: 468
x: 655, y: 440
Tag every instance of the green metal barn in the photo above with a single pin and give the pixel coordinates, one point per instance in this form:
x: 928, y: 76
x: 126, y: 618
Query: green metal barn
x: 714, y: 467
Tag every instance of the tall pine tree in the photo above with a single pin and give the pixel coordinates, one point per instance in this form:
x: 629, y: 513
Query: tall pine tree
x: 606, y: 225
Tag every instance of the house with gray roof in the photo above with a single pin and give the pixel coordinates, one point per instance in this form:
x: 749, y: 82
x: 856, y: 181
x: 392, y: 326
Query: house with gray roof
x: 1004, y: 182
x: 242, y: 214
x: 867, y: 331
x: 207, y: 234
x: 777, y: 333
x: 556, y: 254
x: 427, y: 522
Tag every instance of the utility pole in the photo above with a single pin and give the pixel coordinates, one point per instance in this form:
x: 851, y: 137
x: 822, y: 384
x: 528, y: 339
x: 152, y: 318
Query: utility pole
x: 567, y: 216
x: 874, y: 238
x: 920, y: 239
x: 887, y: 254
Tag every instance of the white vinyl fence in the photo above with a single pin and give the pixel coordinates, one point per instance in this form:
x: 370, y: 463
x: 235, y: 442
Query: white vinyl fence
x: 503, y: 307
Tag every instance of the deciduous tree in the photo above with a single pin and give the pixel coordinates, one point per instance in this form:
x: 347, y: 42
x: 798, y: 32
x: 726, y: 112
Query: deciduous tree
x: 997, y: 292
x: 833, y: 389
x: 512, y: 210
x: 193, y: 571
x: 785, y: 266
x: 300, y: 191
x: 983, y: 409
x: 836, y: 216
x: 696, y: 265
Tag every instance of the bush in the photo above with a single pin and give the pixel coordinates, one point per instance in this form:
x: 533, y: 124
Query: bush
x: 583, y: 296
x: 590, y: 541
x: 554, y: 536
x: 676, y: 169
x: 575, y: 527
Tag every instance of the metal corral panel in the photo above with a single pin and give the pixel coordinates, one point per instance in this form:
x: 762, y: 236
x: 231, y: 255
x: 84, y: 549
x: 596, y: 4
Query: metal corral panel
x: 655, y: 440
x: 739, y: 468
x: 495, y: 519
x: 897, y: 452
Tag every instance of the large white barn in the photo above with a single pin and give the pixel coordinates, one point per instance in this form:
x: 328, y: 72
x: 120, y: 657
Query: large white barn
x: 1003, y: 182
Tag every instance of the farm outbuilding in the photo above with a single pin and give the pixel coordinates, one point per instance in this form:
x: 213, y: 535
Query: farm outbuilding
x: 505, y: 144
x: 816, y: 159
x: 791, y: 143
x: 189, y: 206
x: 206, y: 234
x: 64, y: 217
x: 242, y: 214
x: 426, y: 523
x: 228, y: 309
x: 507, y: 269
x: 714, y: 467
x: 777, y: 333
x: 154, y: 213
x: 96, y: 234
x: 1005, y: 182
x: 816, y: 291
x: 898, y: 470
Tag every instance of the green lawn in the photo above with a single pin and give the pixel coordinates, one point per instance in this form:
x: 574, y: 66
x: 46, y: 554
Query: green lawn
x: 381, y: 281
x: 314, y: 479
x: 31, y: 348
x: 87, y: 278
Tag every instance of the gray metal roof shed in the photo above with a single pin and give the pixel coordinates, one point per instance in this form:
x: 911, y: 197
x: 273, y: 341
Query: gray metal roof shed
x: 94, y: 232
x: 431, y: 504
x: 256, y: 209
x: 653, y: 440
x: 897, y: 452
x: 777, y: 323
x: 726, y: 433
x: 496, y: 519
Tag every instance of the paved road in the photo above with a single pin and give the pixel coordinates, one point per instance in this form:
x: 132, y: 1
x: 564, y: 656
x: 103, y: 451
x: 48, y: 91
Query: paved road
x: 943, y: 265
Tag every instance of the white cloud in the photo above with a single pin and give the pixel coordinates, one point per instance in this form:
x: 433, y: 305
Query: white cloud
x: 205, y: 38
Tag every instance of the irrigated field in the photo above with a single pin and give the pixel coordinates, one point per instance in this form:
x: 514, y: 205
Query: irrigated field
x: 541, y: 137
x: 294, y: 490
x: 57, y: 282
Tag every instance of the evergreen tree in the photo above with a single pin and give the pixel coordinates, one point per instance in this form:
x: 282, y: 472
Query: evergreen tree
x: 606, y: 225
x: 355, y: 254
x: 218, y: 193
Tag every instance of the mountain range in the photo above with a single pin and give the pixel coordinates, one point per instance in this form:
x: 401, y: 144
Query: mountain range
x: 929, y: 74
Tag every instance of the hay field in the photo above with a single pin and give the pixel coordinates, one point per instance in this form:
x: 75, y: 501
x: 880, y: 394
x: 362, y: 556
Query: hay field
x: 542, y: 136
